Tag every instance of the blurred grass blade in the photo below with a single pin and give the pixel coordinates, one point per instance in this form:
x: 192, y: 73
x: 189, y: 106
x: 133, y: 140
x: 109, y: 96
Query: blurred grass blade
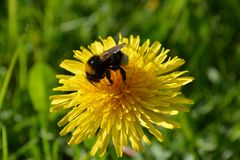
x: 23, y: 149
x: 4, y: 143
x: 55, y: 150
x: 186, y: 127
x: 23, y: 60
x: 12, y: 21
x: 45, y: 141
x: 7, y: 78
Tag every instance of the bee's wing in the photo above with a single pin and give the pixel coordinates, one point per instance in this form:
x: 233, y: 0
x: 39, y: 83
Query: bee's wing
x: 112, y: 51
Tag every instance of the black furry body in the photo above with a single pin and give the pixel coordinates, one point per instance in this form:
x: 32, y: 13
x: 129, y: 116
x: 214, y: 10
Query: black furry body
x: 100, y: 65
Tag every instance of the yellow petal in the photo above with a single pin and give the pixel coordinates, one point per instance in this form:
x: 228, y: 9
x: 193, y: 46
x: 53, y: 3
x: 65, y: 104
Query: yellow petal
x: 73, y: 66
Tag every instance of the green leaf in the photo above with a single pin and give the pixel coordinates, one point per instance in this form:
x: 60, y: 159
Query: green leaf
x: 41, y: 80
x: 89, y: 142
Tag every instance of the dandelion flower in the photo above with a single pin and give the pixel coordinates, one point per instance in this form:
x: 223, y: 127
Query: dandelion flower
x: 118, y: 113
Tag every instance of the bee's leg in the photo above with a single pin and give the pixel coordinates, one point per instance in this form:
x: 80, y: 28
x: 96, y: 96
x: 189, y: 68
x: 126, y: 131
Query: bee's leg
x: 93, y: 84
x: 114, y: 68
x: 108, y: 75
x: 123, y: 73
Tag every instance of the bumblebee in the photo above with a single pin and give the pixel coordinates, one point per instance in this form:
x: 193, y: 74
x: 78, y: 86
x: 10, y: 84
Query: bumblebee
x: 99, y: 66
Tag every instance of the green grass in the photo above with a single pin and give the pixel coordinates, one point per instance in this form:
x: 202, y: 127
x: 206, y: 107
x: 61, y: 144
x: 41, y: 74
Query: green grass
x: 37, y: 35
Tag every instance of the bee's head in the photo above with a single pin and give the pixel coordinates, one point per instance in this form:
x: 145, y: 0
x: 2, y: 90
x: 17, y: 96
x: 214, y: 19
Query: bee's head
x: 92, y: 64
x: 94, y: 61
